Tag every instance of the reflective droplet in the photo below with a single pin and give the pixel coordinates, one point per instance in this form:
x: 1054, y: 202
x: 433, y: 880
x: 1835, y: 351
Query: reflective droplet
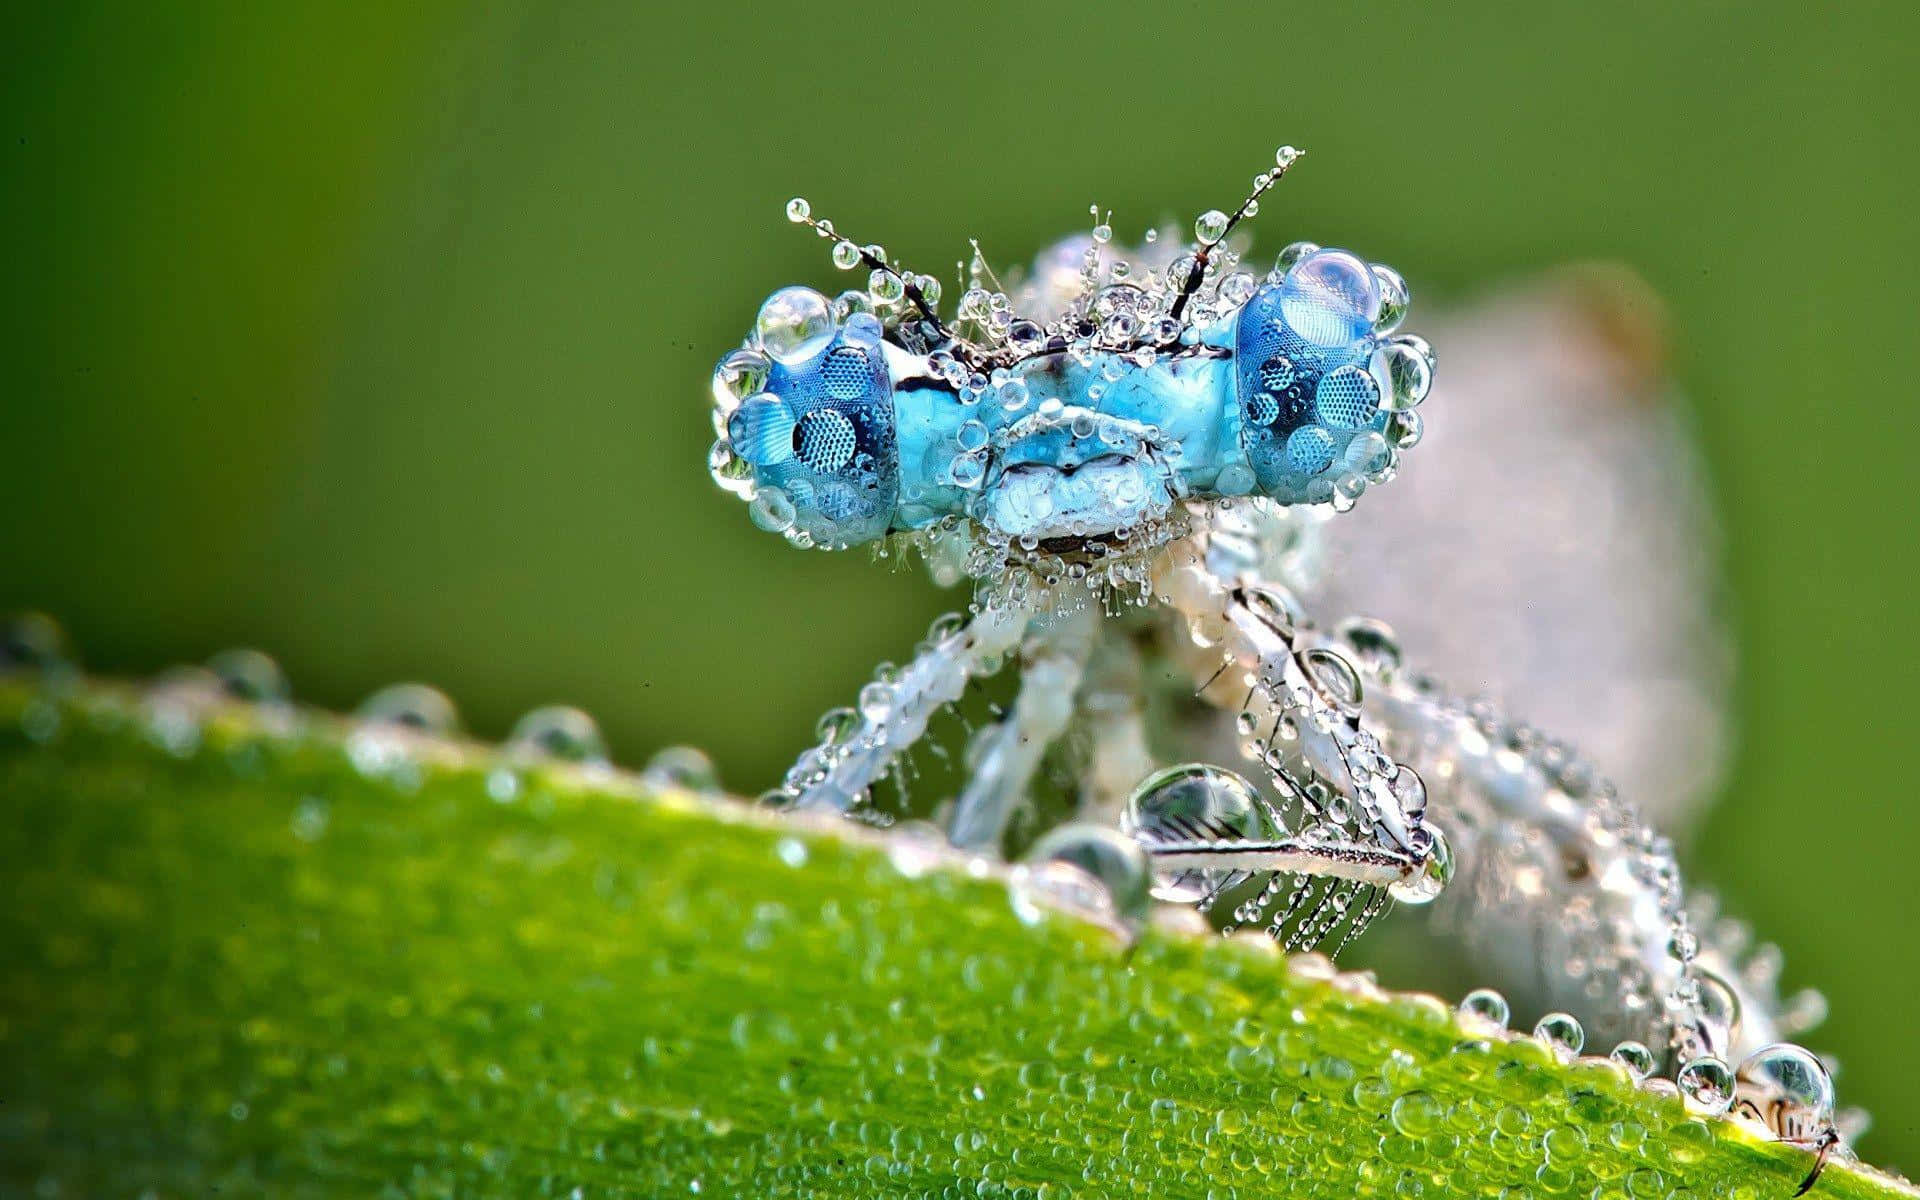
x: 1635, y: 1057
x: 1562, y: 1033
x: 1433, y: 878
x: 1416, y: 1113
x: 250, y: 675
x: 33, y: 642
x: 683, y: 768
x: 1194, y: 799
x: 1291, y: 255
x: 1330, y: 298
x: 771, y: 510
x: 739, y: 375
x: 798, y: 209
x: 415, y: 706
x: 1484, y: 1010
x: 1393, y: 299
x: 1707, y: 1083
x: 1790, y: 1088
x: 1210, y: 227
x: 559, y: 732
x: 793, y: 324
x: 1092, y: 869
x: 1408, y: 376
x: 1374, y: 645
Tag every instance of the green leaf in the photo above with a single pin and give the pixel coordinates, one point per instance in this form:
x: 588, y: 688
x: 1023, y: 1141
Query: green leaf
x: 234, y: 961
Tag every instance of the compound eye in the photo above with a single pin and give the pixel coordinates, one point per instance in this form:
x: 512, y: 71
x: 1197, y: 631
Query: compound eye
x: 820, y: 437
x: 824, y: 439
x: 1314, y: 385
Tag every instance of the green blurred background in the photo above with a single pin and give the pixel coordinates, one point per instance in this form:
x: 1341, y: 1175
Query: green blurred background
x: 378, y: 337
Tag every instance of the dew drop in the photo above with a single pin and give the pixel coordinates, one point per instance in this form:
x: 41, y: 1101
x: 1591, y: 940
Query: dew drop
x: 250, y: 675
x: 1210, y: 227
x: 559, y: 732
x: 1561, y: 1032
x: 1200, y: 796
x: 414, y: 706
x: 1484, y: 1010
x: 1433, y: 878
x: 1791, y: 1086
x: 1635, y: 1057
x: 1707, y: 1084
x: 1094, y: 870
x: 1393, y: 299
x: 33, y: 642
x: 794, y: 324
x: 683, y: 768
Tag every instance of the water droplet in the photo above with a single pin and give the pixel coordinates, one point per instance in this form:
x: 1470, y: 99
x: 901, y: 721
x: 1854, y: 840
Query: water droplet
x: 1330, y: 298
x: 1195, y: 796
x: 1210, y: 227
x: 1374, y: 645
x: 1393, y: 299
x: 1416, y: 1114
x: 1433, y: 878
x: 1561, y: 1032
x: 33, y: 642
x: 1094, y: 870
x: 1635, y: 1057
x: 771, y: 510
x: 794, y: 324
x: 684, y: 768
x: 251, y: 676
x: 1791, y: 1087
x: 1484, y: 1010
x: 558, y: 732
x: 1407, y: 376
x: 1707, y: 1083
x: 414, y: 706
x: 846, y: 255
x: 798, y: 210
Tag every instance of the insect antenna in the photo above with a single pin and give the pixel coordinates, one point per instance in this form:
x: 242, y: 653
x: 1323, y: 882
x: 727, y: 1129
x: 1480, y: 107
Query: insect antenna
x: 1283, y: 158
x: 800, y: 213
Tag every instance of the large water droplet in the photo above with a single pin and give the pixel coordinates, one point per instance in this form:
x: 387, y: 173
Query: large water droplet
x: 33, y: 642
x: 1707, y: 1083
x: 794, y: 324
x: 415, y: 706
x: 1433, y: 878
x: 1484, y: 1010
x: 1330, y: 298
x: 1635, y: 1057
x: 559, y: 732
x: 1174, y: 804
x: 1094, y: 870
x: 1393, y: 299
x: 684, y: 768
x: 1406, y: 375
x: 1790, y: 1087
x: 250, y: 675
x: 1562, y: 1033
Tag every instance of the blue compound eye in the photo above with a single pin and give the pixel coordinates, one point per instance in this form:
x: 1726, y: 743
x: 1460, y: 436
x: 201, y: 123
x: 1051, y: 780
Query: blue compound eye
x: 1309, y: 380
x: 819, y: 439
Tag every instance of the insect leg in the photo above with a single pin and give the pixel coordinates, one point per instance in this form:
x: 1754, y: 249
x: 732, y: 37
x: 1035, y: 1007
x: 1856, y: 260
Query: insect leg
x: 893, y: 712
x: 1050, y: 673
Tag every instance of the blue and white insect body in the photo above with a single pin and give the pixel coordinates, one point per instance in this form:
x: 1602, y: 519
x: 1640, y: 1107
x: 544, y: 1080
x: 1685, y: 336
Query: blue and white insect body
x: 1196, y: 384
x: 1129, y: 456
